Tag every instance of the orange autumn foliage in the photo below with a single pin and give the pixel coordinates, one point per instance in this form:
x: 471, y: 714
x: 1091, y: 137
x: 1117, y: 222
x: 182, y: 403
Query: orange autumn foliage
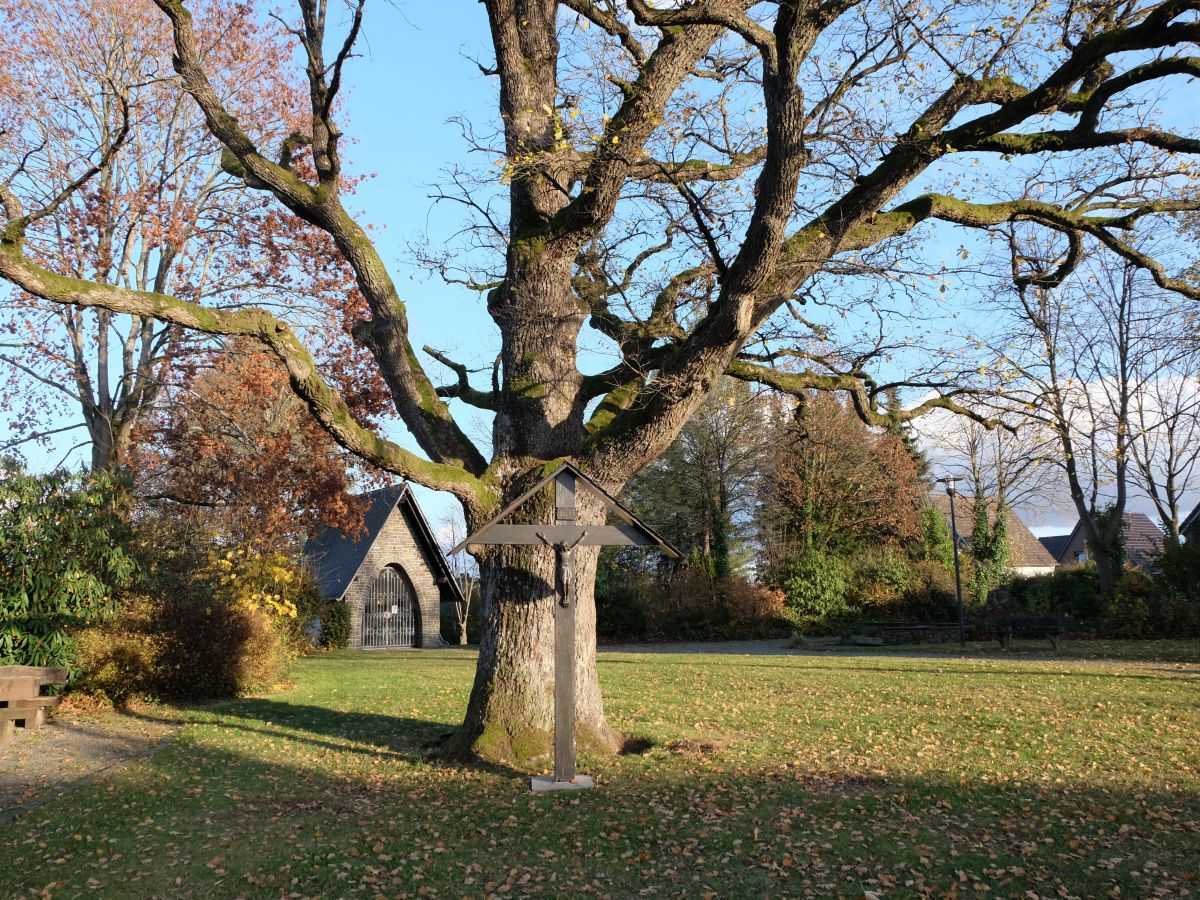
x: 838, y: 484
x: 238, y: 440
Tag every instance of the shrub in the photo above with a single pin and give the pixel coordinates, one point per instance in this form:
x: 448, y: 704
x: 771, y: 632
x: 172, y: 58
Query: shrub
x: 335, y: 620
x: 817, y: 588
x: 1072, y: 591
x: 309, y: 605
x: 937, y: 545
x: 252, y: 579
x: 1180, y: 568
x: 1128, y: 614
x: 201, y: 625
x: 688, y: 605
x: 1176, y: 600
x: 880, y: 580
x: 621, y: 612
x: 752, y: 604
x: 62, y: 554
x: 930, y: 594
x: 118, y: 660
x: 212, y: 649
x: 187, y: 648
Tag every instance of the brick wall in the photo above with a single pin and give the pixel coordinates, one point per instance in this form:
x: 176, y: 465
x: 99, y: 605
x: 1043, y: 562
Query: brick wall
x: 397, y: 546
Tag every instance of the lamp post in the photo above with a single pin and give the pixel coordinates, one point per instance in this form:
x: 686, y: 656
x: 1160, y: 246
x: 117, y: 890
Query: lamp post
x: 948, y: 481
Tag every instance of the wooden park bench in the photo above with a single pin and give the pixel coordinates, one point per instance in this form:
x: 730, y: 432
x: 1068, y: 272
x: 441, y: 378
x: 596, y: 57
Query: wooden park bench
x: 21, y: 700
x: 913, y: 632
x: 1050, y: 627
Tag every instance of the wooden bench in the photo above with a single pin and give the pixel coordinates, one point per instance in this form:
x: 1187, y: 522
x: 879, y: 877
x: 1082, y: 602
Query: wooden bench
x: 913, y: 632
x: 21, y: 700
x: 1050, y: 627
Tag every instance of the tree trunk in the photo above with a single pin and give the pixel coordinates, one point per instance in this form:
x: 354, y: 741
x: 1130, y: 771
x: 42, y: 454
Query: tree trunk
x: 510, y: 715
x: 104, y: 453
x: 1105, y: 570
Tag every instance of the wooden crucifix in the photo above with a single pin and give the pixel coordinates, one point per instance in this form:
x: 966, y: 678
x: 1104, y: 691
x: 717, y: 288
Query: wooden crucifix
x: 563, y: 536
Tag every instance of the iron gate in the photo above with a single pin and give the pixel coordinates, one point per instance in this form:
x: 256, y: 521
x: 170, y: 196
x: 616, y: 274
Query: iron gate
x: 389, y: 614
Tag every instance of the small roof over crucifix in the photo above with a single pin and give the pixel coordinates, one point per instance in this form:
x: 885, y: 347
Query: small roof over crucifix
x: 632, y: 533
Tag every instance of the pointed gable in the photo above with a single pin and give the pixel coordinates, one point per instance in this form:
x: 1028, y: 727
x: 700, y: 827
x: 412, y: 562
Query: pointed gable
x: 335, y: 557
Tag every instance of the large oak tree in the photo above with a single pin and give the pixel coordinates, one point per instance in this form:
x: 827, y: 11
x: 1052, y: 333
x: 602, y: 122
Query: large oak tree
x: 689, y: 182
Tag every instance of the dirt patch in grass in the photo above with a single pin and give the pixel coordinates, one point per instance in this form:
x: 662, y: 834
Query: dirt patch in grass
x: 699, y: 747
x: 841, y: 783
x: 72, y: 748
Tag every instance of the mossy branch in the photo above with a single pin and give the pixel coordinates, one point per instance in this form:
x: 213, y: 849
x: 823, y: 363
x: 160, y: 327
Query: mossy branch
x: 416, y: 400
x: 855, y: 386
x: 325, y: 403
x: 253, y: 167
x: 461, y: 389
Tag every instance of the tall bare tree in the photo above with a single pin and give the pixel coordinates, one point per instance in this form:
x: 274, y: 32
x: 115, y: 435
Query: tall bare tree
x: 159, y: 215
x: 696, y: 183
x: 1089, y: 353
x: 1165, y: 437
x: 1014, y: 461
x: 451, y: 533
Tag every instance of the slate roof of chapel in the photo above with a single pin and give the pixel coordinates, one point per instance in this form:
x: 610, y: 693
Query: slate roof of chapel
x: 336, y: 556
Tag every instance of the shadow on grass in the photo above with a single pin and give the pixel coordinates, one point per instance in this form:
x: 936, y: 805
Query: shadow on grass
x: 204, y: 820
x: 399, y: 738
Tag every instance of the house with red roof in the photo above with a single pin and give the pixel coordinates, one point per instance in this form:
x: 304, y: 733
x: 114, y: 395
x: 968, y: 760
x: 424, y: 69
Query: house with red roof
x: 1143, y: 542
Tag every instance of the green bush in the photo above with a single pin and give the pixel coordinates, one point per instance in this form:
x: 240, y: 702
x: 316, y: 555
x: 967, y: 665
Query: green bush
x: 1180, y: 570
x: 335, y: 621
x: 309, y: 605
x: 817, y: 588
x: 930, y: 595
x: 621, y: 613
x: 1128, y: 614
x: 880, y: 580
x: 62, y: 554
x: 1071, y: 591
x: 1176, y: 601
x: 937, y: 545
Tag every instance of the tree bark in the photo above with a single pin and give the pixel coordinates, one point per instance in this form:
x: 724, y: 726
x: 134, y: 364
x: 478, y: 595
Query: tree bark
x: 1105, y: 570
x: 510, y: 715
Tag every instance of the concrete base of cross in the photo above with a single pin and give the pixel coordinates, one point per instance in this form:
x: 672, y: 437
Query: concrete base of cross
x: 543, y: 783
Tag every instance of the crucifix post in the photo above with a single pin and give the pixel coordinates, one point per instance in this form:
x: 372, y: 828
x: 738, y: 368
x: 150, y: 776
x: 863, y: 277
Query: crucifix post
x: 564, y: 635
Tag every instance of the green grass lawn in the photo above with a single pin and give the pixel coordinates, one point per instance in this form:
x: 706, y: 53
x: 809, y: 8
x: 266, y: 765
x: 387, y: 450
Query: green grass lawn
x: 828, y: 774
